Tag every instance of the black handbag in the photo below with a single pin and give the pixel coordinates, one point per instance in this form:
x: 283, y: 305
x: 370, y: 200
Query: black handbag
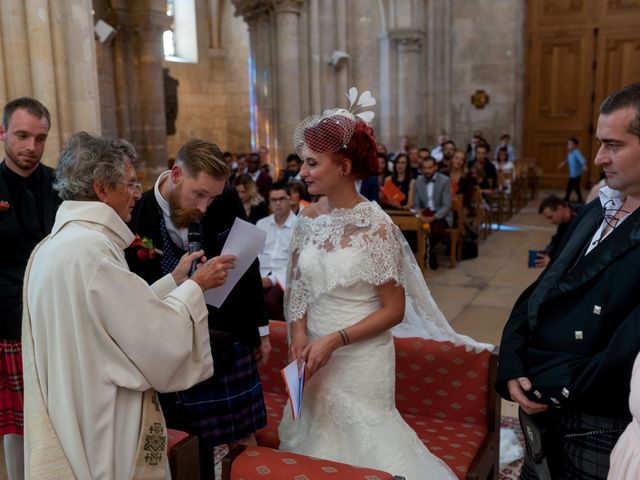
x: 533, y: 435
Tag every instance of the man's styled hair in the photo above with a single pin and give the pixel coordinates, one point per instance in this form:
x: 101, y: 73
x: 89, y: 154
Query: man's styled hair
x: 627, y: 97
x: 281, y: 186
x: 198, y: 155
x: 552, y: 202
x: 574, y: 140
x: 31, y: 105
x: 87, y: 159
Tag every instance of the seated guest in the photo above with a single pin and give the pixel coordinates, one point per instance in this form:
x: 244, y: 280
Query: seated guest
x: 369, y: 188
x: 261, y: 177
x: 292, y: 170
x: 504, y: 143
x: 506, y: 168
x: 448, y: 149
x: 402, y: 179
x: 99, y: 340
x: 383, y: 170
x: 559, y: 213
x: 298, y: 197
x: 458, y: 175
x: 432, y: 198
x: 482, y: 159
x: 275, y: 254
x: 254, y: 205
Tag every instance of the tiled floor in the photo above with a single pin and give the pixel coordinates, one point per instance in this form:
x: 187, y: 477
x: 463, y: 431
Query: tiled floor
x: 477, y: 296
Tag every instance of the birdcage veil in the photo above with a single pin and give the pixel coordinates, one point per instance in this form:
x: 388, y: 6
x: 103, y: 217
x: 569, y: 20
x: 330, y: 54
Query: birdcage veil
x: 332, y: 130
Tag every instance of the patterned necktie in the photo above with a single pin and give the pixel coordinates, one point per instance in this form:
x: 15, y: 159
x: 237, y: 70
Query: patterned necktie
x: 169, y: 260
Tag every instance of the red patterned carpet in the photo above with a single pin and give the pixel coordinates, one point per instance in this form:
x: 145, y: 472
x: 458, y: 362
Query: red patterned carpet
x: 511, y: 471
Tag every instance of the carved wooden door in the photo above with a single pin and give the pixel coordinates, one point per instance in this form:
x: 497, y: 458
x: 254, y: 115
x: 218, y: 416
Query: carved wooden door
x: 579, y: 51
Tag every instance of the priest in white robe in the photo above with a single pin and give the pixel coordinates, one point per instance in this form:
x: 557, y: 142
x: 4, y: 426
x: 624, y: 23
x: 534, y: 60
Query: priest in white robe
x: 99, y: 340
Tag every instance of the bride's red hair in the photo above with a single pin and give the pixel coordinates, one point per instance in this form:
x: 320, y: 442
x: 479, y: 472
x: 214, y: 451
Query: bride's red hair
x: 362, y: 151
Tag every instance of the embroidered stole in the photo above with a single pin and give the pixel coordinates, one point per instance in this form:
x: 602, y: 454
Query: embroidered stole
x: 47, y: 460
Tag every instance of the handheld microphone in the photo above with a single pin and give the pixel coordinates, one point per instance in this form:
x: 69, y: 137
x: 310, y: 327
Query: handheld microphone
x: 194, y: 237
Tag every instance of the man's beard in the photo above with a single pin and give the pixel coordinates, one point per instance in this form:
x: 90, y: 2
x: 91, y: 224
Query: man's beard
x: 182, y: 217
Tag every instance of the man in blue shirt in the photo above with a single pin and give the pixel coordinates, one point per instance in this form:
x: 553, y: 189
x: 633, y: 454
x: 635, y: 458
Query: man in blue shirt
x: 577, y: 165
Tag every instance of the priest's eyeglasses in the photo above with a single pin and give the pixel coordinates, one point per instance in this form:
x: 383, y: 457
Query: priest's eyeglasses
x: 133, y: 186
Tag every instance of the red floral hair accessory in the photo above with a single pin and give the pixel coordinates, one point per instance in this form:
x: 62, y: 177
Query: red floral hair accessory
x: 4, y: 206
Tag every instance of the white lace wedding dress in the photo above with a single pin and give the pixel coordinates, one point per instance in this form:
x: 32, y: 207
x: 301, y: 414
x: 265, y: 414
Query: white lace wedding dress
x: 348, y: 411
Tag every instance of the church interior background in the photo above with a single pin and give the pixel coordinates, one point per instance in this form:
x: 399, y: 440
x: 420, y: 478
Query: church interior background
x: 242, y: 73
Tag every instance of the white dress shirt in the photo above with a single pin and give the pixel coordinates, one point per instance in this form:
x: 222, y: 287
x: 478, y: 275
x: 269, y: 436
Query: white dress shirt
x: 612, y: 201
x: 274, y: 258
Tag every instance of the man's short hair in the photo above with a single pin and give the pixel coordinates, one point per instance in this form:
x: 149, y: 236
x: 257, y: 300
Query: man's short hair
x: 552, y: 202
x: 449, y: 142
x: 424, y: 149
x: 31, y: 105
x: 294, y: 157
x: 627, y: 97
x: 87, y: 159
x: 482, y: 145
x: 198, y: 155
x: 281, y: 186
x: 574, y: 140
x: 506, y: 136
x: 428, y: 159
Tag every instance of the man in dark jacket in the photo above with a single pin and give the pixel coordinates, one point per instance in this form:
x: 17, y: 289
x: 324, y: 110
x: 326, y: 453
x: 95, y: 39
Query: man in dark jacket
x: 28, y: 206
x: 568, y: 348
x: 229, y: 407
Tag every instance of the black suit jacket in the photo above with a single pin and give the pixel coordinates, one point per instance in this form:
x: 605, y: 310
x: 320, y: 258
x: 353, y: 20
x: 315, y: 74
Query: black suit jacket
x: 575, y: 332
x: 15, y: 249
x: 243, y: 310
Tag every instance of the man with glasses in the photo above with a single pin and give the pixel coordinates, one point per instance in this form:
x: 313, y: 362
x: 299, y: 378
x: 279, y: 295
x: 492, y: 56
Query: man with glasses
x: 98, y: 340
x: 28, y: 207
x: 229, y: 407
x: 275, y: 254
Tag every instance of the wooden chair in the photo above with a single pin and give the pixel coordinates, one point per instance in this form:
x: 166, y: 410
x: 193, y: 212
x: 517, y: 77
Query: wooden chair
x: 184, y: 455
x: 456, y: 231
x: 480, y: 223
x: 409, y: 222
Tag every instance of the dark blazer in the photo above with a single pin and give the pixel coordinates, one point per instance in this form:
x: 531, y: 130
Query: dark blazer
x: 16, y: 248
x: 575, y: 332
x: 243, y: 310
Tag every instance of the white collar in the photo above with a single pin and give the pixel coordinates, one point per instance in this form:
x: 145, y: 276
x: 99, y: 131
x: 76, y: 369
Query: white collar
x: 288, y: 223
x: 608, y: 194
x: 97, y: 213
x: 164, y: 204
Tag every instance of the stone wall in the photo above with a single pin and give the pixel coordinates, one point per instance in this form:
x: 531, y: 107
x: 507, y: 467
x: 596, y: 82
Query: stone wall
x: 213, y: 94
x: 487, y: 53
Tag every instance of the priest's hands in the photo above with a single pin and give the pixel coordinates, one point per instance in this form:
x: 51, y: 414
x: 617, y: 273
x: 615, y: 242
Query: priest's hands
x: 213, y: 273
x: 181, y: 272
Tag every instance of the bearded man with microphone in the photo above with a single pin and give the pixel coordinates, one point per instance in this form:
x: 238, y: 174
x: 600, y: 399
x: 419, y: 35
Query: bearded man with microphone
x: 191, y: 207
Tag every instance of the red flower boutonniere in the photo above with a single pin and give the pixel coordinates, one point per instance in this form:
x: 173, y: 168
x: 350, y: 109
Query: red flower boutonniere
x: 4, y: 206
x: 144, y: 248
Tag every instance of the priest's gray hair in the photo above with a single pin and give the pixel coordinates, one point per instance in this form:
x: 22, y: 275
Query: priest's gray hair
x: 87, y: 159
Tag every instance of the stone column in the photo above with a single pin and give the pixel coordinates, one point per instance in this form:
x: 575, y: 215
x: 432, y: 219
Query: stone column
x: 257, y: 15
x: 146, y: 22
x: 410, y: 109
x: 49, y: 54
x: 287, y: 67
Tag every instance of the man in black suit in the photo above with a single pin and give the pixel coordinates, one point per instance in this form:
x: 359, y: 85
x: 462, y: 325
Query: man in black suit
x: 28, y: 207
x: 229, y: 407
x: 568, y: 348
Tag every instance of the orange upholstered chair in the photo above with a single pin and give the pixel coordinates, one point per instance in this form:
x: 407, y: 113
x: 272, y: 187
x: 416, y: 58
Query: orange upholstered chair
x: 263, y: 463
x: 442, y: 391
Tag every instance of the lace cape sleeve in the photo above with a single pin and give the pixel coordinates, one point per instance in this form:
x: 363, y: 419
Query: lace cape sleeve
x: 365, y: 230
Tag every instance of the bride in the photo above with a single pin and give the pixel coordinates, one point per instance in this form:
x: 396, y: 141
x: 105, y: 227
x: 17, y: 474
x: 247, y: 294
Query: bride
x: 353, y: 278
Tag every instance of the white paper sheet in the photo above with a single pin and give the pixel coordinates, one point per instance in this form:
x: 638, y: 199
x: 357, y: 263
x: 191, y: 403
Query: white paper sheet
x: 245, y: 241
x: 294, y: 382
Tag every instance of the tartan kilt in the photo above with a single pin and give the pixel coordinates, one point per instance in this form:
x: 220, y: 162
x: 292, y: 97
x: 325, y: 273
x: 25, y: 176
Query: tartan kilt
x: 584, y: 443
x: 11, y: 388
x: 224, y: 408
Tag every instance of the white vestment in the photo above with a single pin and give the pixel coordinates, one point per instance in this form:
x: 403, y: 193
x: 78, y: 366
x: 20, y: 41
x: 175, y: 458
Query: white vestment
x: 102, y: 337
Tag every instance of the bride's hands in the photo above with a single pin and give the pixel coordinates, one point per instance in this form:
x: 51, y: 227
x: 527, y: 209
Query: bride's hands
x: 298, y: 343
x: 317, y: 353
